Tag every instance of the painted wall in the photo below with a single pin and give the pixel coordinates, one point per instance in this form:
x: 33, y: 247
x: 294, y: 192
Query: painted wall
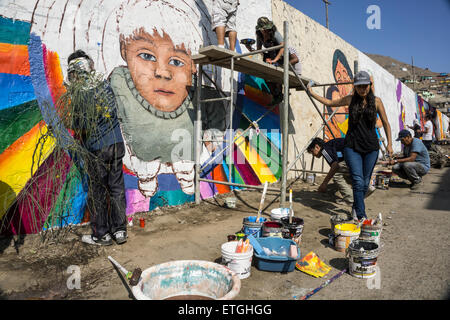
x: 41, y: 188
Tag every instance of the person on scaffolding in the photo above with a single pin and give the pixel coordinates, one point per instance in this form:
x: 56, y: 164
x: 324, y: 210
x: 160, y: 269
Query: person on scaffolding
x: 361, y: 144
x: 92, y: 115
x: 224, y: 21
x: 267, y: 36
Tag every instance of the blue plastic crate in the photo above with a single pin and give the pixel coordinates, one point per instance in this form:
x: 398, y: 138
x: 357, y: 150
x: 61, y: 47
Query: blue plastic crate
x: 276, y: 263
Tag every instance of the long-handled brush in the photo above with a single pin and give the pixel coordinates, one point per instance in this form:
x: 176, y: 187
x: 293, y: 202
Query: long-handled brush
x: 133, y: 277
x: 323, y: 285
x: 263, y: 197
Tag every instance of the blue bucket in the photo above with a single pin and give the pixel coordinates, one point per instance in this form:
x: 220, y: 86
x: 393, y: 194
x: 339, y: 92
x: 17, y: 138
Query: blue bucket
x: 252, y: 227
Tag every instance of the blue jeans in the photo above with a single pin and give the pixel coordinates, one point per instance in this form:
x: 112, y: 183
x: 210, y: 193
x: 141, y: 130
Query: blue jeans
x: 361, y: 167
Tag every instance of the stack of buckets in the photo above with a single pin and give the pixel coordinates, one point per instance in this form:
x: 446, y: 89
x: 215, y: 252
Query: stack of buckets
x: 279, y: 226
x: 361, y: 245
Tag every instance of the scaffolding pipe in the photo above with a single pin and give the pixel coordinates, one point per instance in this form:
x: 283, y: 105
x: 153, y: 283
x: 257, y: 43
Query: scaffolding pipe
x: 285, y: 115
x: 239, y: 185
x: 230, y: 153
x: 198, y: 137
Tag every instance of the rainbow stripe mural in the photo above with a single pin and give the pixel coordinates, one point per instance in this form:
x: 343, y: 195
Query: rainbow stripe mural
x: 32, y: 196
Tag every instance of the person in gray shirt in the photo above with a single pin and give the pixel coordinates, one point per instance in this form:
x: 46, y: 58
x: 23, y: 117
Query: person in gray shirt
x: 415, y: 163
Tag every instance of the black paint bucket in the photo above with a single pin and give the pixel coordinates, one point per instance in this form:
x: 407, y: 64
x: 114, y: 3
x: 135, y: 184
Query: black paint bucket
x: 292, y: 230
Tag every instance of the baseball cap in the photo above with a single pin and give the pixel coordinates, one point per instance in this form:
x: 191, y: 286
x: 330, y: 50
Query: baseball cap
x: 402, y: 134
x: 362, y: 77
x: 264, y: 23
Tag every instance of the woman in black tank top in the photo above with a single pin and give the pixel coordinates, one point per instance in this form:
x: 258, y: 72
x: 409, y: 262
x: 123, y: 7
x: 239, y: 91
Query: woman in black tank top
x: 361, y: 140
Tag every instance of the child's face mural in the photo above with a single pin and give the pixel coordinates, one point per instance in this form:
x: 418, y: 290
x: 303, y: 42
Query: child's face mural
x: 160, y: 71
x: 341, y: 75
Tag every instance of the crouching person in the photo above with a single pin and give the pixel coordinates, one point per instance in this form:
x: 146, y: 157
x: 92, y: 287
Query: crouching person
x: 416, y: 161
x: 332, y: 151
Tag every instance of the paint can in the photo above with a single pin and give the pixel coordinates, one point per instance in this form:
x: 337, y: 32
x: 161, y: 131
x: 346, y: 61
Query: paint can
x: 239, y: 236
x: 338, y: 219
x: 230, y: 202
x: 362, y: 259
x: 278, y: 213
x: 371, y: 233
x: 272, y: 229
x: 311, y: 178
x: 253, y: 227
x: 383, y: 181
x: 240, y: 263
x: 293, y: 230
x: 345, y: 233
x: 142, y: 222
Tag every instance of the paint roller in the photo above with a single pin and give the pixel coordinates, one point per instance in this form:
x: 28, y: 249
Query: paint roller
x: 133, y: 277
x: 263, y: 197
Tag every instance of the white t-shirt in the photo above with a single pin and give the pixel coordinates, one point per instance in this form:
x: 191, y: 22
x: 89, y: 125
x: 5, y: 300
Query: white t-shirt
x: 429, y: 135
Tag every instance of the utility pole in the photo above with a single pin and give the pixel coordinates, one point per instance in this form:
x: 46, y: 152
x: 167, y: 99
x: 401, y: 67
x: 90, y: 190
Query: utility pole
x: 326, y: 7
x: 414, y: 76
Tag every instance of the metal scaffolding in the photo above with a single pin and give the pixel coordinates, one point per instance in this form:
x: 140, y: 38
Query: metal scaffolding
x: 213, y: 55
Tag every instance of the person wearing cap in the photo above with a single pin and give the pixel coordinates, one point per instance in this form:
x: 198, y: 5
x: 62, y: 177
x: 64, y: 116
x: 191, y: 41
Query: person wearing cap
x: 415, y: 162
x: 267, y: 36
x: 224, y: 21
x: 361, y: 145
x: 93, y: 118
x: 416, y: 128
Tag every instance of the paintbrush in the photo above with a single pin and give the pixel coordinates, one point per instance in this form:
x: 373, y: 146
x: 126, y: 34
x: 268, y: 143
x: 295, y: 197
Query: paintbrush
x: 262, y: 201
x: 291, y: 210
x: 133, y: 277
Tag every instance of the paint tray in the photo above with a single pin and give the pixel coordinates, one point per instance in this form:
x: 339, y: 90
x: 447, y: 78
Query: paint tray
x: 312, y: 265
x: 275, y: 263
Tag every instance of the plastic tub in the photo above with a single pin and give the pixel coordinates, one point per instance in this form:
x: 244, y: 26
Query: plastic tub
x: 276, y: 263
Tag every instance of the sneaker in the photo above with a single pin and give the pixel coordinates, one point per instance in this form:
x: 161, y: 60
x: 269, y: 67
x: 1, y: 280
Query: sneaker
x: 91, y: 239
x: 120, y: 236
x: 417, y: 185
x: 370, y: 191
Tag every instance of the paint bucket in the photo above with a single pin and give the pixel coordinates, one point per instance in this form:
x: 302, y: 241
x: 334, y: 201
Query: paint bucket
x: 311, y: 178
x: 239, y: 236
x: 142, y: 222
x: 272, y: 229
x: 345, y: 233
x: 230, y: 202
x: 240, y: 263
x: 339, y: 219
x: 383, y: 181
x: 187, y: 280
x: 363, y: 259
x: 253, y: 227
x: 278, y: 213
x: 371, y: 233
x: 293, y: 230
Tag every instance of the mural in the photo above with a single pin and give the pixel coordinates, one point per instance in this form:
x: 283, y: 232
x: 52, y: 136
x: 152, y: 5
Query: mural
x: 145, y: 48
x: 148, y: 63
x: 341, y: 73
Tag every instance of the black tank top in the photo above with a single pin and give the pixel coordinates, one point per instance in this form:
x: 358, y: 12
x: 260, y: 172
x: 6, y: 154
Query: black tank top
x: 361, y: 136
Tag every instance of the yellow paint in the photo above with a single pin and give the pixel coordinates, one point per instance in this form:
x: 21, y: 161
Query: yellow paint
x: 256, y: 162
x: 349, y: 227
x: 16, y: 162
x: 343, y: 126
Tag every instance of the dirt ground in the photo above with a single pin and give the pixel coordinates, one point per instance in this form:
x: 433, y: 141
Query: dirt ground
x: 413, y: 263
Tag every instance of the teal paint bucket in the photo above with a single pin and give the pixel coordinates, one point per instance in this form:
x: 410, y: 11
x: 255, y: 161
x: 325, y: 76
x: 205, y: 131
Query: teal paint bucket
x: 252, y: 227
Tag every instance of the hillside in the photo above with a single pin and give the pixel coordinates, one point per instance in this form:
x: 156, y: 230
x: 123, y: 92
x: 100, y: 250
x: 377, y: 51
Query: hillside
x: 429, y: 84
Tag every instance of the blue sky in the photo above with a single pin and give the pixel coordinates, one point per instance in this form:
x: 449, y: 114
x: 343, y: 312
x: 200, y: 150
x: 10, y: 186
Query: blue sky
x: 409, y: 28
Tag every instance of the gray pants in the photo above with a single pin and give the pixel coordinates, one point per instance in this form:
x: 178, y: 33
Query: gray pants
x: 343, y: 181
x: 412, y: 171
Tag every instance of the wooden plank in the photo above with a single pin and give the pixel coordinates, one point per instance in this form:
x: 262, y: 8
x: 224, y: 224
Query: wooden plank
x: 218, y: 56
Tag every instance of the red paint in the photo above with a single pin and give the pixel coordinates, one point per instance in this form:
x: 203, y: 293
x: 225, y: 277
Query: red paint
x: 142, y: 222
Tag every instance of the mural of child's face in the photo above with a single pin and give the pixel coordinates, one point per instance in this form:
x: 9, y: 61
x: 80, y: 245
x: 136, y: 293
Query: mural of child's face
x: 160, y: 71
x: 342, y: 76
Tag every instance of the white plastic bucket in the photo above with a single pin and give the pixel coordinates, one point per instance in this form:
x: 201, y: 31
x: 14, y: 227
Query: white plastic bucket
x: 278, y: 213
x: 371, y: 233
x: 239, y: 263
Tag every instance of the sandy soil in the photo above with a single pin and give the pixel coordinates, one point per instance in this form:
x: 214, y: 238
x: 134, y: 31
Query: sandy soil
x: 414, y: 260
